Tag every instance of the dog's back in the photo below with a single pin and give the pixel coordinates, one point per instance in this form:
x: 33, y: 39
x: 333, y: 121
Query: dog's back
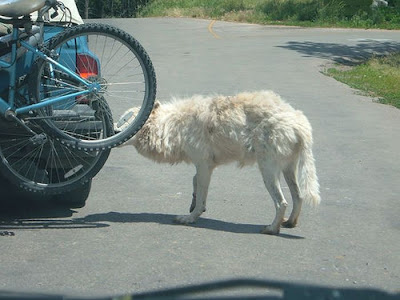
x: 223, y: 128
x: 235, y: 128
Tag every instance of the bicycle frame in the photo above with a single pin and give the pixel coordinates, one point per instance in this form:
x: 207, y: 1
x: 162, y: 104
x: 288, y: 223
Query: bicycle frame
x: 11, y: 68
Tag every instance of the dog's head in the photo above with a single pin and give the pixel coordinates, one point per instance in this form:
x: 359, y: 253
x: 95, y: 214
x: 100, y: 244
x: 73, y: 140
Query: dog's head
x: 129, y: 116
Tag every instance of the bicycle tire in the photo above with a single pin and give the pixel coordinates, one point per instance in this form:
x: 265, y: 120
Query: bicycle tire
x: 114, y: 60
x: 46, y: 167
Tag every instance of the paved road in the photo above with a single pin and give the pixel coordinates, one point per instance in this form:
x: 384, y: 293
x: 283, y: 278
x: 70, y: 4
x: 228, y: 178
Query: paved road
x: 124, y: 239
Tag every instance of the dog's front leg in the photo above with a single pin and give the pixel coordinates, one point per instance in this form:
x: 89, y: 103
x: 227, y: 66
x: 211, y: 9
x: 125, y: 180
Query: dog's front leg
x: 201, y: 182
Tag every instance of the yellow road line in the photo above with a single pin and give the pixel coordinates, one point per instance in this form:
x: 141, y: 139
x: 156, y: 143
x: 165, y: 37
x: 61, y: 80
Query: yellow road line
x: 210, y: 29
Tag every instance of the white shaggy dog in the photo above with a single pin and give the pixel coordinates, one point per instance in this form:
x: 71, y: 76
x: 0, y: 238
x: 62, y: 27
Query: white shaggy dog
x: 249, y: 127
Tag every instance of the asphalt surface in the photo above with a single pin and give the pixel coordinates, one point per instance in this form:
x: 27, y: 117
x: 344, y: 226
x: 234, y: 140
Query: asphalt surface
x: 124, y: 239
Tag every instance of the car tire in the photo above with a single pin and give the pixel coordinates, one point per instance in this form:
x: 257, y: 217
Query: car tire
x: 75, y: 198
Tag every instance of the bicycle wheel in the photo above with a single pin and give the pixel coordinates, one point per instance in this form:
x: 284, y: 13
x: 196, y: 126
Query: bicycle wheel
x: 42, y: 164
x: 120, y: 67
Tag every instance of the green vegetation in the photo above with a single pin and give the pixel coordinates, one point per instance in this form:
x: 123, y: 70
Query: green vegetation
x: 343, y: 13
x: 378, y: 77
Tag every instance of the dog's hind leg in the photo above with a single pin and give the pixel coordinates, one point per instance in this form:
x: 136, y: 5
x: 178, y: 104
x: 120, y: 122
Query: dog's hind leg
x: 193, y: 205
x: 290, y: 174
x: 271, y: 174
x: 201, y: 182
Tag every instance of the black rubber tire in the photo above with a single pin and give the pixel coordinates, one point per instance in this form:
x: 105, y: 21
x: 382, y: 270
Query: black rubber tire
x: 139, y: 57
x: 75, y: 198
x: 13, y: 197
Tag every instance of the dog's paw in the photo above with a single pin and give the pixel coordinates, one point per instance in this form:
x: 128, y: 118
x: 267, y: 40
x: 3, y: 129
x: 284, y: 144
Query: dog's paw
x: 288, y: 224
x: 185, y: 219
x: 193, y: 207
x: 270, y: 230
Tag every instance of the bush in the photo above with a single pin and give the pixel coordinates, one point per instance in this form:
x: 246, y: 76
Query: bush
x: 231, y: 5
x: 331, y: 11
x: 355, y: 7
x: 290, y: 10
x: 358, y: 13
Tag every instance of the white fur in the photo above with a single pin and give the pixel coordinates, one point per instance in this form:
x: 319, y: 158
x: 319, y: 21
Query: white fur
x: 246, y: 128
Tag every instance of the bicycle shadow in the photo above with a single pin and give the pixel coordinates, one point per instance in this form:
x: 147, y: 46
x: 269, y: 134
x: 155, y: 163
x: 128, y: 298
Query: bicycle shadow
x: 348, y: 55
x: 167, y: 219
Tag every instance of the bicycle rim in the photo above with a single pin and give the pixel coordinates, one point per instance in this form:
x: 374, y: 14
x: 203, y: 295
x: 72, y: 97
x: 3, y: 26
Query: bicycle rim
x: 122, y: 69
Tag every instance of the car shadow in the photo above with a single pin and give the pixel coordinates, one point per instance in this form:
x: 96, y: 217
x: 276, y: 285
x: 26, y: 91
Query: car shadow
x: 344, y: 54
x: 32, y: 208
x: 167, y: 219
x: 23, y: 214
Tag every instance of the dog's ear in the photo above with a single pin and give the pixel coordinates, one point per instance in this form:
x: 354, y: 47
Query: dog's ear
x: 155, y: 108
x: 156, y: 104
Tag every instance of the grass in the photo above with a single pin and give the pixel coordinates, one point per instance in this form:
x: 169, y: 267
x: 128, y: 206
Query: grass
x: 220, y: 9
x: 377, y: 77
x: 323, y: 13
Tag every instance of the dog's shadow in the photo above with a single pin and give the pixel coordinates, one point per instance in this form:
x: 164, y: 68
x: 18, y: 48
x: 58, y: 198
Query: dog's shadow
x: 167, y: 219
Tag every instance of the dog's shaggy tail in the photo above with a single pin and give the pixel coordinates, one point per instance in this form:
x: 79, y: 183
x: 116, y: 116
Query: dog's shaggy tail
x: 306, y: 172
x: 307, y: 177
x: 290, y: 137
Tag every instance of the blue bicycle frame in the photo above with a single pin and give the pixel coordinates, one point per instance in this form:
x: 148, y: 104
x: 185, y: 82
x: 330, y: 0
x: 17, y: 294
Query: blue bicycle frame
x: 11, y: 68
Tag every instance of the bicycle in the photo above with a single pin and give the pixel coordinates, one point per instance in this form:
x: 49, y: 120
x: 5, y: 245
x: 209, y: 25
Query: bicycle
x: 58, y: 113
